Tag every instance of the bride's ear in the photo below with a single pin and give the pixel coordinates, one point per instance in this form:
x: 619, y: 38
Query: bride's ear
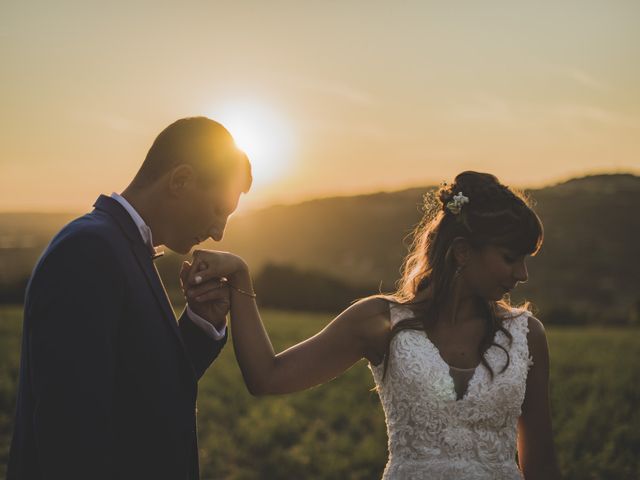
x: 181, y: 179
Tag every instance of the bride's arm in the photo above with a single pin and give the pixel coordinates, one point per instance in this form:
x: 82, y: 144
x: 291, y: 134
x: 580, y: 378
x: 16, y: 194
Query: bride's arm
x: 536, y: 452
x: 358, y: 332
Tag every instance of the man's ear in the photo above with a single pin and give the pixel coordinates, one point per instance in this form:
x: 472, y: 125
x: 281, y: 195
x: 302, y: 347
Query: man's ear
x: 461, y: 250
x: 181, y: 179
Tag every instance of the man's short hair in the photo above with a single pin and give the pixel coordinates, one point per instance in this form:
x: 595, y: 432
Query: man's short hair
x: 198, y: 141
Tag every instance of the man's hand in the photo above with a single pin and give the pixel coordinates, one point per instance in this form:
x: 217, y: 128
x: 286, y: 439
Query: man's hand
x: 210, y: 300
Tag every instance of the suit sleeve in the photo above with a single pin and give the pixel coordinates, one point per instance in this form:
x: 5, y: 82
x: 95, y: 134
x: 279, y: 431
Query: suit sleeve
x: 75, y: 301
x: 201, y: 348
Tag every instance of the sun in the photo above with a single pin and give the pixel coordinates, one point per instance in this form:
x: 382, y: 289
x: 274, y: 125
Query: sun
x: 262, y: 134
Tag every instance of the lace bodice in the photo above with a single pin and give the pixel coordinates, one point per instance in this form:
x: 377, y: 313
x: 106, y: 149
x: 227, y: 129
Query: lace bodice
x: 433, y: 434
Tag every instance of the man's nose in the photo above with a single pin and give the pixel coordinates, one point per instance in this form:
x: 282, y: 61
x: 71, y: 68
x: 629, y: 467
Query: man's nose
x: 217, y: 232
x: 215, y: 235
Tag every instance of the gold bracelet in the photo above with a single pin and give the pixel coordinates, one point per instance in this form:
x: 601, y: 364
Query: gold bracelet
x: 248, y: 294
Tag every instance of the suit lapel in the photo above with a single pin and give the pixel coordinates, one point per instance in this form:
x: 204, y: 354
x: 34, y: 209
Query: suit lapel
x: 145, y: 262
x: 153, y: 279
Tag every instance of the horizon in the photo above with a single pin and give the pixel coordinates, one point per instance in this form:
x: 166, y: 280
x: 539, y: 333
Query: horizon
x: 244, y: 211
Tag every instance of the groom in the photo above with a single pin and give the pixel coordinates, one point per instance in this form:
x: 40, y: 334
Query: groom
x: 108, y: 376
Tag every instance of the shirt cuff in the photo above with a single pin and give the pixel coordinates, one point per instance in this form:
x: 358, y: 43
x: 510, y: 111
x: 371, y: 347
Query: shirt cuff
x: 209, y: 329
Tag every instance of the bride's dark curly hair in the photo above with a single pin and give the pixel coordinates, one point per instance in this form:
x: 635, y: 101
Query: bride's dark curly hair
x: 495, y: 215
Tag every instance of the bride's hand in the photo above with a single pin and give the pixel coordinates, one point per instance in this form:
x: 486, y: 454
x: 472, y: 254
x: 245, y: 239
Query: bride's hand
x: 211, y: 264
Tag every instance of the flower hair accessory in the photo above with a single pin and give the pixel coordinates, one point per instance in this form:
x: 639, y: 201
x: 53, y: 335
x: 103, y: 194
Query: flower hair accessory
x: 455, y: 205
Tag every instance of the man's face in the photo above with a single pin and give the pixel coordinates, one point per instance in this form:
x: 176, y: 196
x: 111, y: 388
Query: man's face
x: 202, y: 213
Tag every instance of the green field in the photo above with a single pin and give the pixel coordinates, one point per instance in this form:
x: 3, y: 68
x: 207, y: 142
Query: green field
x: 337, y: 431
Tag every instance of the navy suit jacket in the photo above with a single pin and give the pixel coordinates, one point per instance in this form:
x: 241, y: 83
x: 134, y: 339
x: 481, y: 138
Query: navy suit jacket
x: 108, y: 376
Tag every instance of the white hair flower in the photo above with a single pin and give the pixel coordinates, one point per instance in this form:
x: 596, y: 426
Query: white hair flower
x: 455, y: 205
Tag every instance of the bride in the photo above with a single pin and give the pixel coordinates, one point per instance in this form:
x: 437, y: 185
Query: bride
x: 463, y: 376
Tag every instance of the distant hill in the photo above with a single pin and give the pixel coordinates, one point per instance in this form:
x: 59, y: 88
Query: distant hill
x: 588, y: 264
x: 590, y: 258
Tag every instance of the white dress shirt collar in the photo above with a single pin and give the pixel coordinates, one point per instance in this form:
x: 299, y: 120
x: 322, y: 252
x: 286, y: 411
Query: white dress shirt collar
x: 143, y: 228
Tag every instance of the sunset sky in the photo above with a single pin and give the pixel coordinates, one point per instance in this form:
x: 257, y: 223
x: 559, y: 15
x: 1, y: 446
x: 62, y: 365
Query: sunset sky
x: 328, y: 98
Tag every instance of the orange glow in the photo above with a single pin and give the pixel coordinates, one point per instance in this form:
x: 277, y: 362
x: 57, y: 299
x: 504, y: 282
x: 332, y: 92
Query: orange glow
x: 262, y: 134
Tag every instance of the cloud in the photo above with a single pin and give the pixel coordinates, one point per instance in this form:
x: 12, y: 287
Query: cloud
x: 331, y: 88
x: 112, y: 121
x: 484, y: 108
x: 498, y: 111
x: 343, y: 92
x: 120, y: 124
x: 594, y: 114
x: 583, y: 78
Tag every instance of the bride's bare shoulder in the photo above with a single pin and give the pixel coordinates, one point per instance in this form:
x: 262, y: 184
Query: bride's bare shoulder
x: 375, y: 308
x: 370, y: 320
x: 537, y: 340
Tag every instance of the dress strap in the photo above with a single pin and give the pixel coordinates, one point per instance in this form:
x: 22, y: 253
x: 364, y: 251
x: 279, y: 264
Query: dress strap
x: 399, y: 312
x: 518, y: 325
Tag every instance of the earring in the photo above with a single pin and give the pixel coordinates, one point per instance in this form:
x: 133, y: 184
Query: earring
x: 458, y: 271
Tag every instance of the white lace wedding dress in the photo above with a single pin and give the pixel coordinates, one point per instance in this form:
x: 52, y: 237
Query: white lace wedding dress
x: 439, y: 432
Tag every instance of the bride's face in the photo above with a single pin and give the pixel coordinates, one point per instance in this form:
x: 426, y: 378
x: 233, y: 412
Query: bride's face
x: 494, y: 271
